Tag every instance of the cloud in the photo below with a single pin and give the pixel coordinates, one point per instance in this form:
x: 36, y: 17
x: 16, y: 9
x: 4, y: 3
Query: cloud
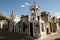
x: 58, y: 17
x: 23, y: 6
x: 26, y: 4
x: 57, y: 14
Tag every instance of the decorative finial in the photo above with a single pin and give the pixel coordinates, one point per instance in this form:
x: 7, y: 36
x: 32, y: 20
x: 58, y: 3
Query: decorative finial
x: 34, y: 2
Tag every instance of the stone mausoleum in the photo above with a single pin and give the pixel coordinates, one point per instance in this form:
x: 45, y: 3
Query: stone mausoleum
x: 35, y: 24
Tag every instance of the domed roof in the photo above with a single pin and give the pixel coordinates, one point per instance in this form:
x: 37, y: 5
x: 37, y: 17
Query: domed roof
x: 16, y: 19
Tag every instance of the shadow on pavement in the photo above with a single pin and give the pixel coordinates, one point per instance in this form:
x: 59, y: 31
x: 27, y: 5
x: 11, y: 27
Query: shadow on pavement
x: 57, y: 39
x: 6, y: 35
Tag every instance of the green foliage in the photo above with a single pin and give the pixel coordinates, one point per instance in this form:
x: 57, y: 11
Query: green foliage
x: 3, y: 18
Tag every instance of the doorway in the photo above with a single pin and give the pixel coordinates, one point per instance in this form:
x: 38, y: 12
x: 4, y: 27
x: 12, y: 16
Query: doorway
x: 31, y: 29
x: 47, y: 30
x: 13, y: 27
x: 24, y: 27
x: 50, y: 27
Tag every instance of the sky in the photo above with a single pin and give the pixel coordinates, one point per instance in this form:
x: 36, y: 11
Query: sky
x: 21, y: 7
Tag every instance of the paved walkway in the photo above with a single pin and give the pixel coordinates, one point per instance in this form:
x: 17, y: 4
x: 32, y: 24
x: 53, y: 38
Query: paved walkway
x: 54, y: 36
x: 6, y: 35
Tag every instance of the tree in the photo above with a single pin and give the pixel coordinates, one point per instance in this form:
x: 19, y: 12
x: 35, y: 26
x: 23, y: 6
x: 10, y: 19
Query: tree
x: 3, y: 18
